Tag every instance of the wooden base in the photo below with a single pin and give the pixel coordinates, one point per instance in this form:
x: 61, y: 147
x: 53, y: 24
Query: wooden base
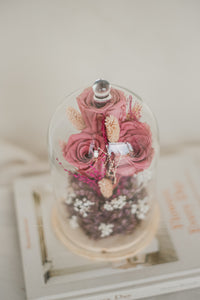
x: 113, y: 248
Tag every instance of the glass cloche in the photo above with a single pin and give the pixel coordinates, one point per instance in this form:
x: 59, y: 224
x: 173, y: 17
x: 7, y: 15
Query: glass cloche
x: 103, y: 149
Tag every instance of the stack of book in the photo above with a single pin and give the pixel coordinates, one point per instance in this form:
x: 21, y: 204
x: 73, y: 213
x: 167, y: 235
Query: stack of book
x: 170, y: 263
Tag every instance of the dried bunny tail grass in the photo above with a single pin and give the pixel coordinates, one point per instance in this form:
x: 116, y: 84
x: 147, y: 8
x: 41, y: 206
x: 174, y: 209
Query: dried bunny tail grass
x: 76, y: 118
x: 106, y: 187
x: 136, y: 111
x: 112, y: 129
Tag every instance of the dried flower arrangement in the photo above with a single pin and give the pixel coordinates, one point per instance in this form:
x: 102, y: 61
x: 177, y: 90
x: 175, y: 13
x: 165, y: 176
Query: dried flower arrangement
x: 111, y: 155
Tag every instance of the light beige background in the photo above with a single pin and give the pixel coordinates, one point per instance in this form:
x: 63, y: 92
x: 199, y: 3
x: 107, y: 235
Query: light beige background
x: 49, y: 48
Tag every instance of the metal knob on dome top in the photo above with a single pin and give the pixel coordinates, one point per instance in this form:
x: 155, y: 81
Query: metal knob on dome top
x: 101, y: 90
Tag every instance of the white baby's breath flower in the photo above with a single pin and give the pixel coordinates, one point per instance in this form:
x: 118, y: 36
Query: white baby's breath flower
x: 116, y: 203
x: 108, y: 206
x: 106, y: 229
x: 134, y: 208
x: 69, y: 198
x: 141, y: 208
x: 141, y: 216
x: 143, y: 177
x: 82, y: 206
x: 73, y: 222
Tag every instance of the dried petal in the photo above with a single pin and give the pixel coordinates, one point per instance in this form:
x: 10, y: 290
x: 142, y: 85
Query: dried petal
x: 106, y: 187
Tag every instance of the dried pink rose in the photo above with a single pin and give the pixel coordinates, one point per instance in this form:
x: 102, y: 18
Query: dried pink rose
x: 138, y: 137
x: 93, y: 113
x: 80, y: 152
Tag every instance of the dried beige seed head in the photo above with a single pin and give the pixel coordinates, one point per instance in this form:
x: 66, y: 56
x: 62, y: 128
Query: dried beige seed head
x: 106, y: 187
x: 136, y: 111
x: 112, y: 129
x: 76, y: 118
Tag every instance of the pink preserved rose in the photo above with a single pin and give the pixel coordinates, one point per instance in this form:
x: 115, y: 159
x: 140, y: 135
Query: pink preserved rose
x: 137, y: 136
x: 94, y: 113
x: 79, y: 152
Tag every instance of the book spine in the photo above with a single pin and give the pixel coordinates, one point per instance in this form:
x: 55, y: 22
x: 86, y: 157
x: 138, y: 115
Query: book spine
x: 146, y: 291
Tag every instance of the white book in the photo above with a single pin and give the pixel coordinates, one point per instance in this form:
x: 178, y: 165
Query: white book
x: 170, y: 263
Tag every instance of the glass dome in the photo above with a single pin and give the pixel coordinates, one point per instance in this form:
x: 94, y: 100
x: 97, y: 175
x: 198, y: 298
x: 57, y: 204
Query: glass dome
x: 103, y: 149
